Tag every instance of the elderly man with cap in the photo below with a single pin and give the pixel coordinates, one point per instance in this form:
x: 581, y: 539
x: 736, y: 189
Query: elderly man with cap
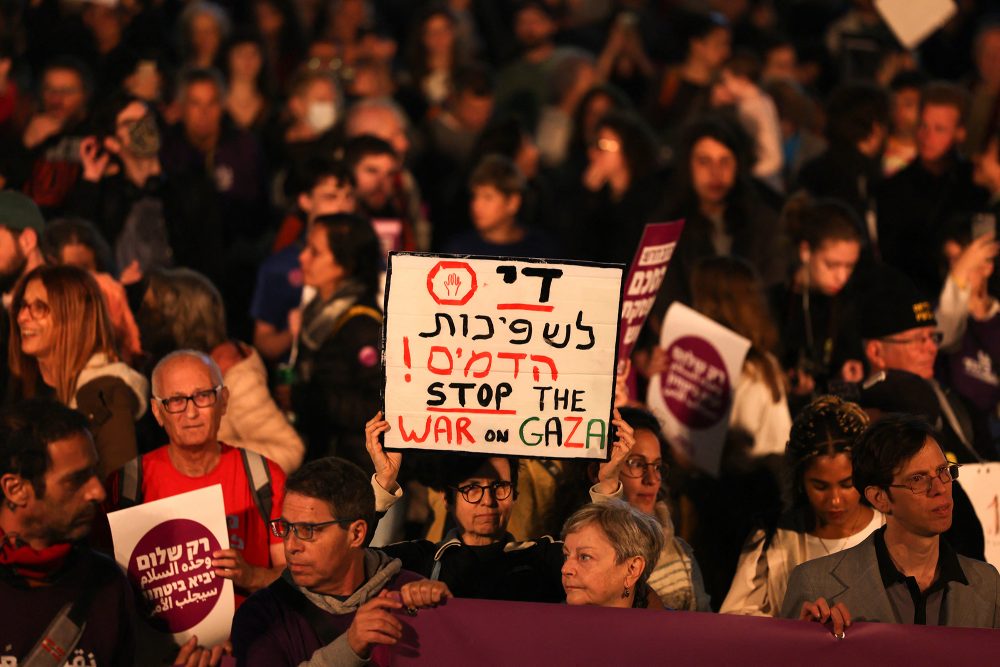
x: 901, y: 340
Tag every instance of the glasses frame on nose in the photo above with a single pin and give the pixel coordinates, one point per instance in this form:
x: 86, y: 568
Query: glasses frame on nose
x: 473, y: 493
x: 303, y: 530
x: 936, y: 337
x: 37, y: 309
x: 630, y: 465
x: 922, y: 487
x: 201, y: 399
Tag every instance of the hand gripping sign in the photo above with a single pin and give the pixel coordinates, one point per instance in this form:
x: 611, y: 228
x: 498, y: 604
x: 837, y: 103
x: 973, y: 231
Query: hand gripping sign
x: 165, y: 547
x: 694, y: 393
x: 498, y: 356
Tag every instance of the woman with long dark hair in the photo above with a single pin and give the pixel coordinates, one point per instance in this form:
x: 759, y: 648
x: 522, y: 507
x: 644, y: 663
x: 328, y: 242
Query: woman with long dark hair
x: 826, y: 513
x: 337, y: 350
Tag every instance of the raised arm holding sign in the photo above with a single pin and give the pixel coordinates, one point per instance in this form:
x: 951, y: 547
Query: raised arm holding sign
x: 505, y: 357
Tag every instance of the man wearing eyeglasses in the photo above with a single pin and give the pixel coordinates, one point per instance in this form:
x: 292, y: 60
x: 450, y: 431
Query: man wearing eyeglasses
x: 904, y: 572
x: 900, y: 333
x: 188, y: 401
x: 334, y: 604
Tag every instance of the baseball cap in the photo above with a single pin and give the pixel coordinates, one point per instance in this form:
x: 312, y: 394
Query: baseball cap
x: 19, y: 212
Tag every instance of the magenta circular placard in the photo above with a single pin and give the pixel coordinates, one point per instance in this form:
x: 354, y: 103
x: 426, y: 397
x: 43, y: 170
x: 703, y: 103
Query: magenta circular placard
x: 172, y: 565
x: 695, y: 384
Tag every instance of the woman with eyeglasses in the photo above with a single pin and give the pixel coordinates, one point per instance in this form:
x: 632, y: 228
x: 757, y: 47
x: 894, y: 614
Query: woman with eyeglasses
x: 637, y: 475
x: 62, y: 345
x: 826, y: 515
x: 478, y: 558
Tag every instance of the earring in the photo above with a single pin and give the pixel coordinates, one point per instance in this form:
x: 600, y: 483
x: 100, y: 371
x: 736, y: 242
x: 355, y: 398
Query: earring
x: 625, y: 593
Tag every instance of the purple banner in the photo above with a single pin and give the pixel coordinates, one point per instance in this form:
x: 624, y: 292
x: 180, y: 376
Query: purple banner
x: 644, y: 279
x: 481, y: 632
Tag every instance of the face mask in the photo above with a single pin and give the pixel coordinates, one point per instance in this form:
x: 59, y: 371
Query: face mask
x: 321, y: 116
x: 144, y: 137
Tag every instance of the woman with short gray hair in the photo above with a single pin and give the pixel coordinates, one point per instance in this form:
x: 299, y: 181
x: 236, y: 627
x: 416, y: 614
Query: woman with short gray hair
x: 610, y: 550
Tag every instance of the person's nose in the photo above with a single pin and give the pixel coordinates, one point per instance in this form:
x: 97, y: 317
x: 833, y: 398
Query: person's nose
x: 190, y: 409
x: 95, y: 491
x: 567, y: 569
x: 489, y: 498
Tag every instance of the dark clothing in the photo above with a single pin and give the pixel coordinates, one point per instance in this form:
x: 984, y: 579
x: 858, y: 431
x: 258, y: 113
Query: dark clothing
x: 268, y: 631
x: 534, y: 244
x: 506, y: 570
x: 110, y: 204
x: 222, y: 226
x: 109, y: 636
x: 751, y: 224
x: 606, y: 229
x: 972, y: 371
x: 913, y: 208
x: 844, y: 173
x: 818, y: 334
x: 910, y: 604
x: 54, y: 169
x: 339, y: 379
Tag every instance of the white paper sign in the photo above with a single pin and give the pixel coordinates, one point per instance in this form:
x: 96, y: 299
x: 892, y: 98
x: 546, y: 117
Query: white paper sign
x: 981, y: 482
x: 508, y: 357
x: 165, y: 548
x: 912, y: 21
x: 694, y: 394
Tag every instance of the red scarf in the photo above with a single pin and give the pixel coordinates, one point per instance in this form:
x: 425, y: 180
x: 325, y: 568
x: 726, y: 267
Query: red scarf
x: 33, y: 564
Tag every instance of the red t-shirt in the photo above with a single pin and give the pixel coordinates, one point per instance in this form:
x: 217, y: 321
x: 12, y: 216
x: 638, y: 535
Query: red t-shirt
x: 247, y: 531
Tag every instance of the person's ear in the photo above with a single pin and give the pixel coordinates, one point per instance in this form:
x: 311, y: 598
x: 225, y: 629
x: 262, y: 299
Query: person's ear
x: 157, y: 411
x: 873, y: 352
x: 357, y: 532
x: 879, y: 498
x: 223, y: 400
x: 305, y: 203
x: 804, y: 252
x: 960, y: 134
x: 634, y: 568
x: 27, y: 241
x: 513, y: 204
x: 16, y: 490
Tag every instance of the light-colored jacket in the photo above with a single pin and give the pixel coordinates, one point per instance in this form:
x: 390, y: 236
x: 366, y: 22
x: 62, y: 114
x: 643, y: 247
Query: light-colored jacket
x: 253, y: 420
x: 761, y: 580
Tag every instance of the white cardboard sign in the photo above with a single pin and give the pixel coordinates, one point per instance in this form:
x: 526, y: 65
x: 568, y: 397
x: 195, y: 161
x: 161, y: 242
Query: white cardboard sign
x: 981, y: 482
x: 694, y: 393
x: 498, y: 356
x: 165, y: 547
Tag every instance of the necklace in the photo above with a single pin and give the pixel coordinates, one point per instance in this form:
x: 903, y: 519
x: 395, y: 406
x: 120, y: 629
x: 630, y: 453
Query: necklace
x: 840, y: 544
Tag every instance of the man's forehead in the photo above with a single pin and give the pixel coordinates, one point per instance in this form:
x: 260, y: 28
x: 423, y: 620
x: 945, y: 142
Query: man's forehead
x: 185, y: 373
x: 300, y: 506
x: 930, y: 457
x: 73, y: 452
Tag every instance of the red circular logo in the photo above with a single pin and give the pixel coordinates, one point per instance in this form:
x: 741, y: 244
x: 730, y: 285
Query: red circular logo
x: 695, y: 384
x: 172, y: 566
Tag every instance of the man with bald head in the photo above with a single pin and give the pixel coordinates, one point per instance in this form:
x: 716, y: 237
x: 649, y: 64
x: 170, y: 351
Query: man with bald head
x: 189, y: 399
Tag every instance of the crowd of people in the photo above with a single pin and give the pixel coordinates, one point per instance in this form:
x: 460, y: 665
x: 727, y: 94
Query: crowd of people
x: 197, y: 200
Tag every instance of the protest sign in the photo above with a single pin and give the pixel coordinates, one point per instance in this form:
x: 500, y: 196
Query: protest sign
x: 471, y: 632
x: 913, y: 21
x: 694, y: 393
x: 165, y: 547
x: 507, y: 357
x: 981, y: 482
x: 644, y: 279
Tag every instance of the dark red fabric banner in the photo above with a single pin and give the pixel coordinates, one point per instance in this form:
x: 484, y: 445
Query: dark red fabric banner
x: 466, y: 632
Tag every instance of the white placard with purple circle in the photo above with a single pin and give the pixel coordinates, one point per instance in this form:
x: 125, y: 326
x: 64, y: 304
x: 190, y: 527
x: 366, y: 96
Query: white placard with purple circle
x: 165, y: 548
x: 693, y: 396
